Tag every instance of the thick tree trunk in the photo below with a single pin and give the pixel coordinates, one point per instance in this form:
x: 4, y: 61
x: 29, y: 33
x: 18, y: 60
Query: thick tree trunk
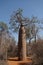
x: 22, y: 44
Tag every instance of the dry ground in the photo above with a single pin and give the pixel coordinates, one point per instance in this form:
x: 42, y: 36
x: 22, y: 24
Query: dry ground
x: 13, y: 61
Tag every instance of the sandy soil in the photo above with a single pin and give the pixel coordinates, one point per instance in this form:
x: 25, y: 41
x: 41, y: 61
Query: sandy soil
x: 14, y: 61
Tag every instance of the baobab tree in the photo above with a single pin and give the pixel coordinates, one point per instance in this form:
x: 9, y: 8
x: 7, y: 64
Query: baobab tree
x: 18, y: 23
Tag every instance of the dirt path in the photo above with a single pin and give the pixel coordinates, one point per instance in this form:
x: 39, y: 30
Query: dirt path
x: 10, y: 62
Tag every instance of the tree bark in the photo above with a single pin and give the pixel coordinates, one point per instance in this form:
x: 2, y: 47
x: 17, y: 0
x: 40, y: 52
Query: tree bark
x: 22, y: 44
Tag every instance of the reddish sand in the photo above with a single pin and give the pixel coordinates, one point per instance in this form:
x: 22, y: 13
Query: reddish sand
x: 13, y: 61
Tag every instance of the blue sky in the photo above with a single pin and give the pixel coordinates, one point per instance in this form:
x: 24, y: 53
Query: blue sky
x: 30, y: 8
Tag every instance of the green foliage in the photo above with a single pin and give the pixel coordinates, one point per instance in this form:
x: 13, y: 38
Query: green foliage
x: 3, y: 26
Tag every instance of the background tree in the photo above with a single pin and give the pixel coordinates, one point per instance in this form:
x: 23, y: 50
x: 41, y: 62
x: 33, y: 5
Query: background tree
x: 12, y: 47
x: 3, y: 27
x: 3, y: 31
x: 7, y: 44
x: 32, y: 29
